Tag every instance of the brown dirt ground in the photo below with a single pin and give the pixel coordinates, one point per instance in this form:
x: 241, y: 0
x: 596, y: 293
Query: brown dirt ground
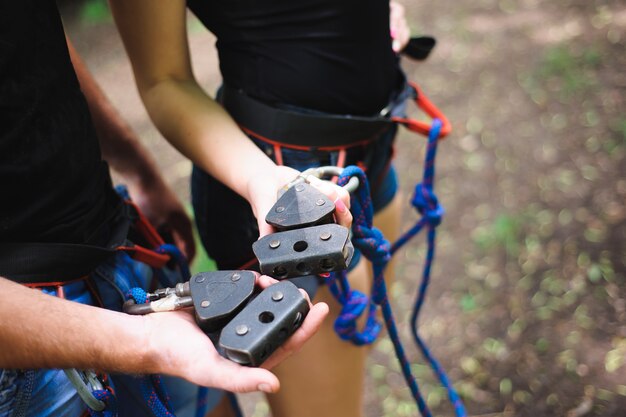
x: 527, y: 308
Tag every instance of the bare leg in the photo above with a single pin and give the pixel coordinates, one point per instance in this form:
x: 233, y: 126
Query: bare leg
x: 325, y: 379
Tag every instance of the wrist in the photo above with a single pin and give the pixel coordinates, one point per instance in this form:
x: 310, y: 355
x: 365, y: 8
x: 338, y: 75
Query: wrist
x: 152, y: 356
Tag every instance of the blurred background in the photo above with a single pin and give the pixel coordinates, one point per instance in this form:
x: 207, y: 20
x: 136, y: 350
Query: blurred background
x: 527, y: 306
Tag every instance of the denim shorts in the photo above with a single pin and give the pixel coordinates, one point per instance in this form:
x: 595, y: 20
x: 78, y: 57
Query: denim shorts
x: 48, y: 392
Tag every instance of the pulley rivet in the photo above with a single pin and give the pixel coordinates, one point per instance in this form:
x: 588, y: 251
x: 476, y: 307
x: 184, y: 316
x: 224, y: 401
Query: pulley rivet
x: 277, y: 296
x: 200, y: 278
x: 320, y: 202
x: 235, y: 277
x: 274, y: 244
x: 205, y: 303
x: 325, y: 236
x: 241, y: 329
x: 299, y: 187
x: 280, y: 209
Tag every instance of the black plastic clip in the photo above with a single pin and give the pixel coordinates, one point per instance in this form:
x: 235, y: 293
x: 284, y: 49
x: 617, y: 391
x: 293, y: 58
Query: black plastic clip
x: 308, y: 251
x: 264, y: 324
x: 218, y: 296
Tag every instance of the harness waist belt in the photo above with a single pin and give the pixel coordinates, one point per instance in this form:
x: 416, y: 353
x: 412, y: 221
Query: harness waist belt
x: 300, y: 129
x: 28, y: 263
x: 51, y: 263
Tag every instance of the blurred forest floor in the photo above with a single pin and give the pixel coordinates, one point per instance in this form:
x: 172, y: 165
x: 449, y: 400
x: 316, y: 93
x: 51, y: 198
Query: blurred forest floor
x: 527, y: 307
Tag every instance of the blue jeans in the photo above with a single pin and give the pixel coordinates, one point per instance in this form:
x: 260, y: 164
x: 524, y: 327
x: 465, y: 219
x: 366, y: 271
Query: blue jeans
x: 48, y: 392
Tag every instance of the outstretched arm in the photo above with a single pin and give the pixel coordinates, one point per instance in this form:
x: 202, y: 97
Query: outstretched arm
x: 42, y: 331
x: 154, y: 33
x: 121, y: 148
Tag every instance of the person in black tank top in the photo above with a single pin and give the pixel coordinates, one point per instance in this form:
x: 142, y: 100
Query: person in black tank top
x: 55, y: 184
x: 311, y: 56
x: 57, y: 189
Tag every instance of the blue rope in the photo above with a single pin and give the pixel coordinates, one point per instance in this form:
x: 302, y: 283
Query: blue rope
x: 426, y: 203
x: 178, y: 257
x: 375, y: 248
x: 232, y: 400
x: 378, y: 250
x: 201, y: 404
x: 178, y: 261
x: 108, y: 398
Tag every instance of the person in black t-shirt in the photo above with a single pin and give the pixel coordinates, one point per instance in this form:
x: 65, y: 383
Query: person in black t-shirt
x: 57, y: 189
x: 312, y: 56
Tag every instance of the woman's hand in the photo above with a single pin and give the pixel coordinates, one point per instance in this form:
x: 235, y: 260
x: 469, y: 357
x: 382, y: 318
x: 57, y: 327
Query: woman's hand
x: 400, y: 32
x: 263, y: 190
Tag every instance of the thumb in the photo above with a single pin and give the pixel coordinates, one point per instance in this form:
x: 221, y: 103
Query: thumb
x: 260, y: 211
x: 264, y: 228
x: 247, y: 379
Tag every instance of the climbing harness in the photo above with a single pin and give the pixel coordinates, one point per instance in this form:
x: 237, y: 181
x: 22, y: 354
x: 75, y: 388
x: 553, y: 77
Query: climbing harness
x: 55, y: 264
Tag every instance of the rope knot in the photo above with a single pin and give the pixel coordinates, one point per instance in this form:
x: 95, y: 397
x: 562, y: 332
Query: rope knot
x: 346, y: 323
x: 427, y: 203
x: 372, y: 243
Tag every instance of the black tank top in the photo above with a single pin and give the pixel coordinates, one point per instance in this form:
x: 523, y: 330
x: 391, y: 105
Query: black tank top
x: 328, y: 55
x: 54, y: 186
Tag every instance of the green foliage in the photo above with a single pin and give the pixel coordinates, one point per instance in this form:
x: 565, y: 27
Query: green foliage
x: 569, y: 68
x: 468, y: 303
x: 563, y: 70
x: 503, y: 232
x: 619, y: 127
x: 95, y: 11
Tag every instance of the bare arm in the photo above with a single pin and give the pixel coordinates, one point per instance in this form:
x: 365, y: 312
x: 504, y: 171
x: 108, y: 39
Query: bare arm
x: 41, y: 331
x: 122, y: 150
x: 154, y: 33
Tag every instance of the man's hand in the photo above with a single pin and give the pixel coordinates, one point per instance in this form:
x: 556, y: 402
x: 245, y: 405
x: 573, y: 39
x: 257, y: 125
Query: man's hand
x: 263, y: 190
x: 159, y: 204
x: 183, y: 350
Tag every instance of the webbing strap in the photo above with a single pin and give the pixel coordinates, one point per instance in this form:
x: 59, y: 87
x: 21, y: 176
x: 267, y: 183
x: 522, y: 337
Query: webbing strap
x: 50, y: 263
x: 320, y: 131
x: 296, y: 128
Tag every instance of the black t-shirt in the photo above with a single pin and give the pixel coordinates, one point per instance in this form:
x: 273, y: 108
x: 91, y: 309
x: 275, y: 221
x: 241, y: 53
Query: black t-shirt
x: 327, y: 55
x: 54, y: 186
